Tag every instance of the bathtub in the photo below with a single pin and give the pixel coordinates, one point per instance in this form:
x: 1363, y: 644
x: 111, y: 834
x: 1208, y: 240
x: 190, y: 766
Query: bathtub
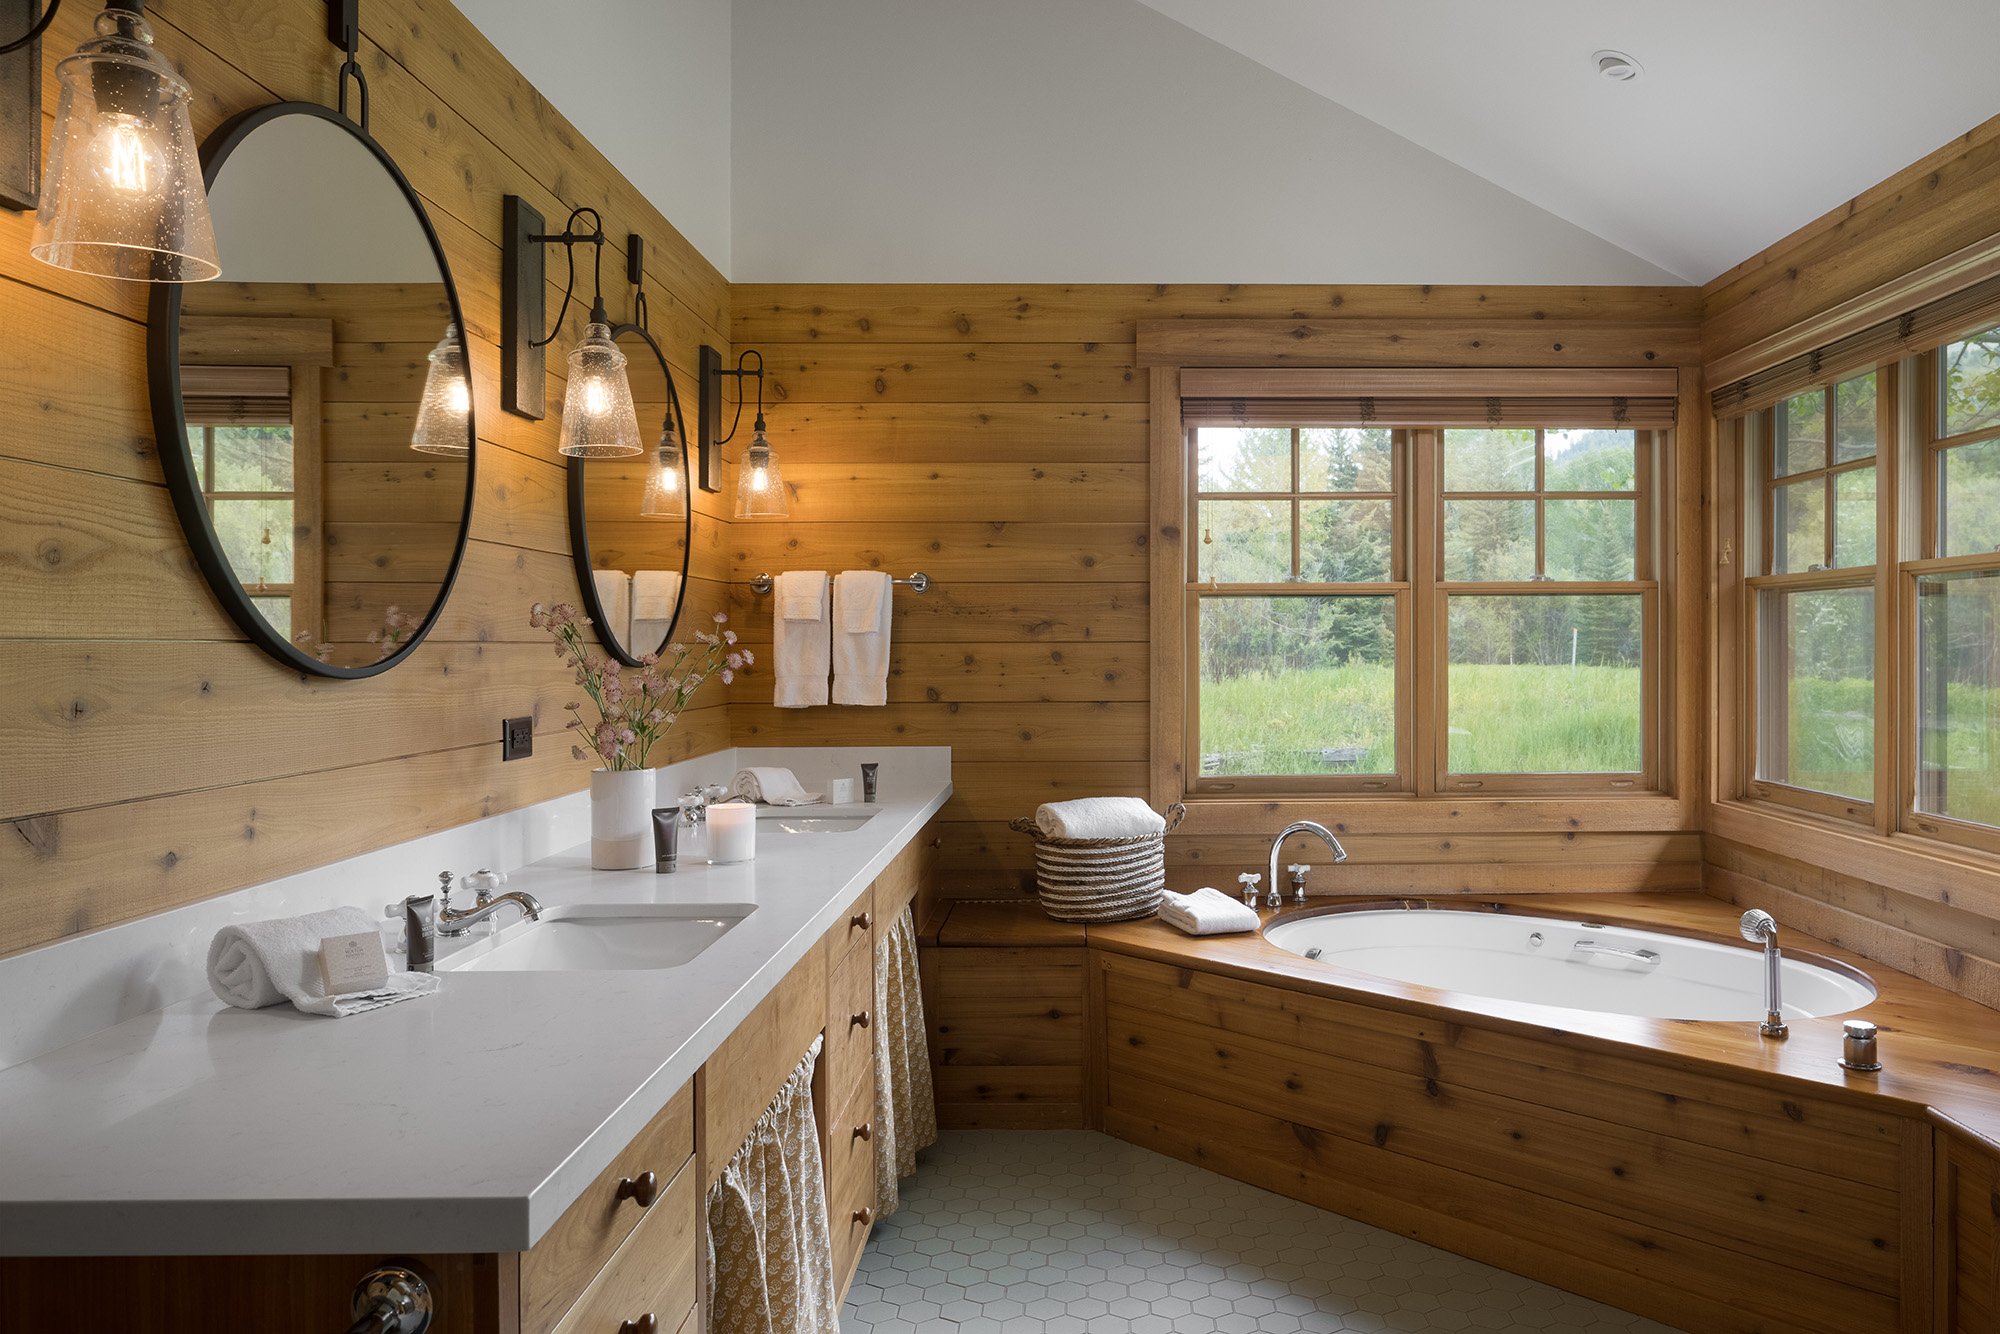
x: 1503, y: 954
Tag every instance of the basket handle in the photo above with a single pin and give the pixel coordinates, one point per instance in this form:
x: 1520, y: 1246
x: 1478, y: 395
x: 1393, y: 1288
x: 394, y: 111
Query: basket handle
x: 1175, y: 814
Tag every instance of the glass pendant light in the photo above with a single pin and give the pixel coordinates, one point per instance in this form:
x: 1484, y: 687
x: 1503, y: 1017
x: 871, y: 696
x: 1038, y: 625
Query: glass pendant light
x: 447, y: 400
x: 123, y: 195
x: 760, y: 486
x: 664, y: 497
x: 598, y: 419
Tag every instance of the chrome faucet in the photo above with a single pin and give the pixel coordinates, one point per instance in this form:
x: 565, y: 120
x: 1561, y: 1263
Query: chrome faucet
x: 1277, y: 900
x: 452, y: 922
x: 1760, y: 928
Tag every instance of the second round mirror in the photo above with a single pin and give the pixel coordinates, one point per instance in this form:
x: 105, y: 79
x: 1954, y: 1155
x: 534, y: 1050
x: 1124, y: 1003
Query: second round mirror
x: 630, y: 519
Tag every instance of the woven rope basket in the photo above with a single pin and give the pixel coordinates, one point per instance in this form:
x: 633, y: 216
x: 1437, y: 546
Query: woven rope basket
x: 1100, y: 879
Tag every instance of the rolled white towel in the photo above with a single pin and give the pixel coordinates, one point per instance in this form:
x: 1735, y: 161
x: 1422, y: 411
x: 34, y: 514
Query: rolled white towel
x: 772, y: 786
x: 1206, y: 912
x: 1098, y: 817
x: 262, y: 963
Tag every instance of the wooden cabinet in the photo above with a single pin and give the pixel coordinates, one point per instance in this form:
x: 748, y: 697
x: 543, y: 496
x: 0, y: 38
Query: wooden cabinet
x: 592, y: 1230
x: 1005, y: 996
x: 1968, y: 1238
x: 848, y: 1107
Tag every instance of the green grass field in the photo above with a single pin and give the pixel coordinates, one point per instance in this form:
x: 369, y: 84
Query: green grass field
x: 1533, y: 719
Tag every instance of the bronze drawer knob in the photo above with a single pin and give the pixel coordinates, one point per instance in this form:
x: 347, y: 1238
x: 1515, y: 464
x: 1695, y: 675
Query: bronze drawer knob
x: 645, y: 1324
x: 642, y: 1190
x: 859, y: 1020
x: 861, y: 921
x: 864, y: 1131
x: 864, y: 1216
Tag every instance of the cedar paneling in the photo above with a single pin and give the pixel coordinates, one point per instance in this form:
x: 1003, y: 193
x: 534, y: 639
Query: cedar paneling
x: 167, y: 761
x: 999, y: 438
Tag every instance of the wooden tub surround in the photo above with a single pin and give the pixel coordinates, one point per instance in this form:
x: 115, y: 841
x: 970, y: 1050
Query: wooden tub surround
x: 1691, y: 1171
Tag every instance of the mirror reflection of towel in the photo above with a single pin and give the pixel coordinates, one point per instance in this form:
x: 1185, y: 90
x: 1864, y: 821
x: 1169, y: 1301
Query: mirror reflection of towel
x: 614, y: 597
x: 655, y: 596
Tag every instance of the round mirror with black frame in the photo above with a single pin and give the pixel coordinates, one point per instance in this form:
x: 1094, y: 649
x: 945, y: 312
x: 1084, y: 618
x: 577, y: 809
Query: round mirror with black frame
x: 631, y: 520
x: 313, y: 404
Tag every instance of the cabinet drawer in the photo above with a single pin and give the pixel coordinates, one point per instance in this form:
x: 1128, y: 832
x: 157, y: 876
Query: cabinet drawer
x: 850, y: 1146
x: 854, y: 930
x: 652, y: 1274
x: 850, y: 1207
x: 565, y: 1260
x: 850, y: 1028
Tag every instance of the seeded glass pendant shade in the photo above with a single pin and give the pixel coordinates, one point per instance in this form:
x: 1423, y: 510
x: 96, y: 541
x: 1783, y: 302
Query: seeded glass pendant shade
x: 760, y: 487
x: 664, y: 497
x: 447, y: 400
x: 598, y: 419
x: 123, y: 195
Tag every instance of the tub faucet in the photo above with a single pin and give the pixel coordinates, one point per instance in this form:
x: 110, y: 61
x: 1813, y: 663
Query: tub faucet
x: 452, y: 922
x: 1277, y: 900
x: 1760, y: 928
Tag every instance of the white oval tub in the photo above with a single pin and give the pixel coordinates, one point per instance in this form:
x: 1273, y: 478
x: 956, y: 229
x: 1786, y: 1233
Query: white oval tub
x: 1572, y: 965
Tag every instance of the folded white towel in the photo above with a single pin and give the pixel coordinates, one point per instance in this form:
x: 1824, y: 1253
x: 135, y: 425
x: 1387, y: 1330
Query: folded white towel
x: 861, y: 609
x: 262, y: 963
x: 614, y: 597
x: 1099, y: 817
x: 772, y: 786
x: 655, y: 595
x: 802, y: 639
x: 1206, y: 912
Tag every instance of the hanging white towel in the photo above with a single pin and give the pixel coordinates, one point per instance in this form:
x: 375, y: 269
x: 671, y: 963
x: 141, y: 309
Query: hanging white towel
x: 1206, y: 912
x: 614, y: 598
x: 1098, y: 817
x: 861, y: 610
x: 257, y: 964
x: 655, y: 595
x: 802, y: 647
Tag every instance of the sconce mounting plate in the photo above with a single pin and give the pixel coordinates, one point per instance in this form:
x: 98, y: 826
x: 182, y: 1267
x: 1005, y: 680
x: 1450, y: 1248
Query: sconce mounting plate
x: 708, y: 418
x: 523, y: 298
x: 20, y: 109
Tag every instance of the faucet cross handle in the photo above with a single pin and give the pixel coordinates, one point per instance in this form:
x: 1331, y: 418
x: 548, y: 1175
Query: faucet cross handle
x: 1299, y: 870
x: 1249, y: 880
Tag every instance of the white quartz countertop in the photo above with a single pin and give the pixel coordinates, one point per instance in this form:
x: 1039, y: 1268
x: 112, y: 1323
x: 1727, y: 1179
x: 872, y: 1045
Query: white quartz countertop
x: 466, y: 1121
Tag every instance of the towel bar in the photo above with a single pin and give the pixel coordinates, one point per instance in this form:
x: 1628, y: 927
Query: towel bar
x: 918, y: 582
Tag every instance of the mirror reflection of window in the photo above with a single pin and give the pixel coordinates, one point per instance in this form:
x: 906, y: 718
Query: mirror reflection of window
x: 247, y: 460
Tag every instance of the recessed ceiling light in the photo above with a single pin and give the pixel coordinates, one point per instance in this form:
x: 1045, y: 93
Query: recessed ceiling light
x: 1617, y: 66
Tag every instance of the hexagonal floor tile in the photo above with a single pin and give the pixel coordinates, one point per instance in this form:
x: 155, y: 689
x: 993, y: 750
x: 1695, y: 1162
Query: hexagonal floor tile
x: 1069, y: 1232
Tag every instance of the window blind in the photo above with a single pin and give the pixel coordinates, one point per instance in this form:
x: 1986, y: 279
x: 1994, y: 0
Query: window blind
x: 1594, y: 399
x: 1917, y: 330
x: 237, y: 395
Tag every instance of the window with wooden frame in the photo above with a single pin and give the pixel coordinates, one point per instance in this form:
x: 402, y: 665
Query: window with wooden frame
x: 1871, y: 607
x: 1422, y: 594
x: 260, y: 482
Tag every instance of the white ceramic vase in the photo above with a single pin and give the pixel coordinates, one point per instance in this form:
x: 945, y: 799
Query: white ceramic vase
x: 621, y: 818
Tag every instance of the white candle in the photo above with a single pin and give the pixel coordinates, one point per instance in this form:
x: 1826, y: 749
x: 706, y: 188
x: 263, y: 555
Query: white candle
x: 732, y: 832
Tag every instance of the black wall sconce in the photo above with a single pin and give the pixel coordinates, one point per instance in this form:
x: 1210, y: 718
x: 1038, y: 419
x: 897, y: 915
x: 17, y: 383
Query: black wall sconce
x: 123, y: 196
x: 760, y: 486
x: 598, y: 419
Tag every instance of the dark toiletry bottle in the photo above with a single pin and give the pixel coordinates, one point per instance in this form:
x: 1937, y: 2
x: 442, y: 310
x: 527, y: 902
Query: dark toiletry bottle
x: 667, y: 840
x: 420, y: 932
x: 868, y: 781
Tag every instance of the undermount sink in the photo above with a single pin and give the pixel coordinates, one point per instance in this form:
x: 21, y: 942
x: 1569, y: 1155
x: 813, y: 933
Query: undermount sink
x: 601, y: 937
x: 784, y: 822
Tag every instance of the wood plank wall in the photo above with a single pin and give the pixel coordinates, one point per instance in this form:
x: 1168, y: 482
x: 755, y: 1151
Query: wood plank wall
x: 997, y: 438
x: 151, y: 757
x: 1931, y: 917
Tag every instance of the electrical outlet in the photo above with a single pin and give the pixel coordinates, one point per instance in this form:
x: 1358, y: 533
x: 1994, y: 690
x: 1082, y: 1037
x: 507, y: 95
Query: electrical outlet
x: 517, y: 738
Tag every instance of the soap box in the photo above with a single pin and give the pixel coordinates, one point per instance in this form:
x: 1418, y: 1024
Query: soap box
x: 353, y: 963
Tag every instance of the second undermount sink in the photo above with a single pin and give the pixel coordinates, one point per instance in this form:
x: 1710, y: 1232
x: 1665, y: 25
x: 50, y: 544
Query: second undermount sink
x: 601, y: 937
x: 813, y: 819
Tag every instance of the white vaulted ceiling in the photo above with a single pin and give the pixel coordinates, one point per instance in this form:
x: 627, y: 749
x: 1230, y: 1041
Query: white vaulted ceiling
x: 1307, y: 141
x: 1752, y: 118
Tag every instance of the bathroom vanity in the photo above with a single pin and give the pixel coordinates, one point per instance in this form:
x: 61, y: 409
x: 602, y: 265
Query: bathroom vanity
x: 540, y: 1141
